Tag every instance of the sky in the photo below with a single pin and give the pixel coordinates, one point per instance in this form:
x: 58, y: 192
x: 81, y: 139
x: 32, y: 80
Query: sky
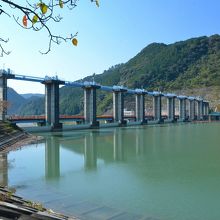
x: 111, y: 34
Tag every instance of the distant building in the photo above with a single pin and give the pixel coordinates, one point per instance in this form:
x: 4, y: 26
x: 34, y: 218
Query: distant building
x: 128, y: 113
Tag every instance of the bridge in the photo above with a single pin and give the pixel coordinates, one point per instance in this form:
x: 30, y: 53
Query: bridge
x: 79, y: 119
x: 197, y: 107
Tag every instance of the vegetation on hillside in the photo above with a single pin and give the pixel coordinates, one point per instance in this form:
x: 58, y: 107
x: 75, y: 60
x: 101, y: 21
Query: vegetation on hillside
x: 185, y: 65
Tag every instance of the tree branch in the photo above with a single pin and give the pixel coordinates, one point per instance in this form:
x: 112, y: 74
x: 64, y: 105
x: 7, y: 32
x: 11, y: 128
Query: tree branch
x: 2, y: 50
x: 38, y: 18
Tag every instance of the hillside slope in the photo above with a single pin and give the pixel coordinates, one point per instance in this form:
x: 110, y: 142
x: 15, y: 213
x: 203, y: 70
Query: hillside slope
x: 15, y: 101
x: 191, y: 67
x: 18, y: 104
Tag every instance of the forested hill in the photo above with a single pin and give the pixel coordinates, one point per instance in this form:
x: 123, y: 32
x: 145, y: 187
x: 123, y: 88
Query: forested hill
x: 192, y: 65
x: 186, y: 64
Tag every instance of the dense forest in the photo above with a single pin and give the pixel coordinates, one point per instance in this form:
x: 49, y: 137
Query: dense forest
x: 192, y: 66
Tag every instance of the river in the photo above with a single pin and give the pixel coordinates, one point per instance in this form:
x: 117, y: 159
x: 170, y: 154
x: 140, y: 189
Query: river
x: 166, y: 172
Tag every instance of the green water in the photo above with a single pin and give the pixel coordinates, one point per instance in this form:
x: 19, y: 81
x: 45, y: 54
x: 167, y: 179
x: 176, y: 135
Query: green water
x: 167, y: 172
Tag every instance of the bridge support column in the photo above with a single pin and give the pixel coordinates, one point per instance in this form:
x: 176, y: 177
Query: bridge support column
x: 90, y: 104
x: 202, y: 109
x: 118, y: 105
x: 206, y: 109
x: 157, y: 107
x: 192, y: 109
x: 171, y: 108
x: 4, y: 76
x: 52, y: 103
x: 182, y: 108
x: 199, y: 109
x: 140, y: 106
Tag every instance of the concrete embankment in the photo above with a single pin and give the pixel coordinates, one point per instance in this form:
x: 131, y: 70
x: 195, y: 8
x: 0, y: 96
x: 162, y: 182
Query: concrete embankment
x: 12, y: 137
x: 15, y: 207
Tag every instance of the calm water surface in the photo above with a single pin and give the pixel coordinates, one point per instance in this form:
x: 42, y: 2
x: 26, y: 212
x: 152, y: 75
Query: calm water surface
x: 167, y: 172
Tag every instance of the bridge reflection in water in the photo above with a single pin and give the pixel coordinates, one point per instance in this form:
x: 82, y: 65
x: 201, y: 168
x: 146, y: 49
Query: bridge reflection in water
x: 91, y: 143
x: 106, y: 146
x: 91, y: 148
x: 52, y: 157
x: 90, y: 151
x: 145, y: 170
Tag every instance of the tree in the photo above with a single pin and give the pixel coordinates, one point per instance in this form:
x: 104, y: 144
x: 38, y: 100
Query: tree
x: 4, y: 106
x: 36, y: 16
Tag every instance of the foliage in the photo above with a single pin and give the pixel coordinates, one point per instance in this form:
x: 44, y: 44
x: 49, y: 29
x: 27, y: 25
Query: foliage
x: 38, y: 15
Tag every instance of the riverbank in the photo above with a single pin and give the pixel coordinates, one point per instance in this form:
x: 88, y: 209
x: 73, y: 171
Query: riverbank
x: 12, y: 206
x: 12, y: 137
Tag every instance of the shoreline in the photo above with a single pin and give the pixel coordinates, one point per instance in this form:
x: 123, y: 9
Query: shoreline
x: 12, y: 205
x: 20, y: 142
x: 13, y: 137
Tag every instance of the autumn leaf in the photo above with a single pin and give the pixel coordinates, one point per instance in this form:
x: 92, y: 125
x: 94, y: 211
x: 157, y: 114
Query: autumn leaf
x: 74, y: 41
x: 24, y: 20
x: 34, y: 19
x: 61, y: 3
x: 97, y: 3
x: 43, y: 8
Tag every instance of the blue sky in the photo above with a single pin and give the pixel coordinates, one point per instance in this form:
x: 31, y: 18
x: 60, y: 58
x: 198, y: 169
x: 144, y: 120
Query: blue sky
x: 108, y: 35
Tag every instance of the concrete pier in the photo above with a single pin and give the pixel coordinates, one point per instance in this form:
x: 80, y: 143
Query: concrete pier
x: 118, y: 104
x: 90, y: 103
x: 192, y: 109
x: 206, y: 109
x: 4, y: 76
x: 52, y: 102
x: 157, y: 106
x: 182, y: 108
x: 140, y: 105
x: 170, y: 107
x: 199, y: 109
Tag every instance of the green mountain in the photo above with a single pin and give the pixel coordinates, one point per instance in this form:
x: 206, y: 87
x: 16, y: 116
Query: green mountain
x: 31, y: 104
x: 31, y: 95
x: 190, y: 67
x: 15, y: 101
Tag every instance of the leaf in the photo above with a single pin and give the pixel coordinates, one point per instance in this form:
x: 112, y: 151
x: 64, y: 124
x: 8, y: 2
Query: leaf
x: 61, y: 3
x: 34, y: 19
x: 43, y: 8
x: 74, y: 41
x: 97, y: 3
x: 24, y: 20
